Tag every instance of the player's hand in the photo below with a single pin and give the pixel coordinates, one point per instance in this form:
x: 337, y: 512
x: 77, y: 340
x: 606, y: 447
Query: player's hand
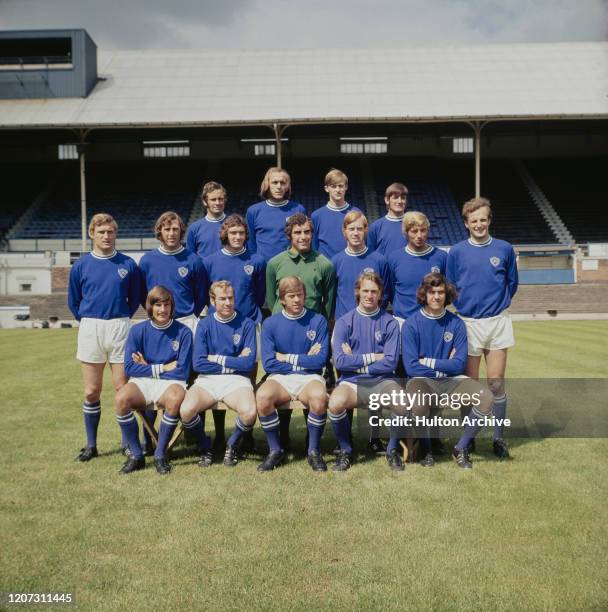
x: 346, y: 349
x: 378, y: 356
x: 138, y: 358
x: 169, y: 367
x: 245, y: 352
x: 315, y: 349
x: 281, y: 357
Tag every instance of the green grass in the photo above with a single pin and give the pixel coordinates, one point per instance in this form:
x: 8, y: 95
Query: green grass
x: 528, y: 534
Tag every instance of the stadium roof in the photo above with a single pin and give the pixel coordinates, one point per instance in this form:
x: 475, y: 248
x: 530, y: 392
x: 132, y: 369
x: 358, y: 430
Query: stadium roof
x: 447, y: 83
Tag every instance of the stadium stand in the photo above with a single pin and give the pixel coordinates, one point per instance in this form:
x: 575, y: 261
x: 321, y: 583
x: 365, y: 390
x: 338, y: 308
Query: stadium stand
x: 577, y: 192
x: 516, y: 217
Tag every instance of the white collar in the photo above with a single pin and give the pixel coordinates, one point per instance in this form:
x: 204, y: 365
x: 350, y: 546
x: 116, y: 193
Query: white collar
x: 167, y: 325
x: 394, y: 219
x: 231, y: 254
x: 277, y: 205
x: 419, y: 253
x: 480, y: 244
x: 213, y: 220
x: 428, y: 315
x: 334, y: 209
x: 103, y: 256
x: 353, y: 254
x: 368, y: 314
x: 291, y: 317
x: 165, y: 252
x: 220, y: 320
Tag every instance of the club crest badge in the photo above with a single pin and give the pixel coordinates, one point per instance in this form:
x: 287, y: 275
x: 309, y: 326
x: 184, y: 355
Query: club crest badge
x: 368, y: 270
x: 494, y: 261
x: 378, y: 336
x: 236, y: 338
x: 447, y: 337
x: 122, y: 272
x: 175, y: 345
x: 311, y: 334
x: 248, y: 269
x: 435, y: 269
x: 183, y: 271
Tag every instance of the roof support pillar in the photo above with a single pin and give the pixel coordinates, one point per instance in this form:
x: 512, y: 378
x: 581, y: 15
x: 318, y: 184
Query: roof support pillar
x: 477, y: 127
x: 278, y: 133
x: 83, y: 190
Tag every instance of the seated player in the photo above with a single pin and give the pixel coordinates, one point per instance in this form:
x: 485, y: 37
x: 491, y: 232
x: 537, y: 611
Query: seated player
x: 408, y: 266
x: 158, y: 354
x: 385, y: 234
x: 294, y: 350
x: 484, y: 270
x: 223, y: 355
x: 328, y: 220
x: 434, y: 345
x: 266, y: 219
x: 246, y: 271
x: 104, y: 293
x: 203, y: 236
x: 366, y: 351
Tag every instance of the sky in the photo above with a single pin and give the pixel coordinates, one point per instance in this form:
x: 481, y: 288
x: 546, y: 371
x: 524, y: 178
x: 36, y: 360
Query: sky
x: 299, y: 24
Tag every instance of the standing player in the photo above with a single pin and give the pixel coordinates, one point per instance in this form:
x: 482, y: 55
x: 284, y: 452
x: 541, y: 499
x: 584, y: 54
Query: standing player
x: 157, y: 360
x: 246, y: 271
x: 224, y: 354
x: 366, y: 350
x: 409, y: 265
x: 328, y: 220
x: 266, y: 219
x: 203, y: 237
x: 104, y: 290
x: 435, y: 355
x: 484, y: 270
x: 353, y: 260
x: 294, y: 350
x: 385, y: 234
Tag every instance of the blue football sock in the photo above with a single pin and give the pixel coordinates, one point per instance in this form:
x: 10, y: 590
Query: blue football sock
x: 394, y: 437
x: 341, y: 426
x: 92, y: 413
x: 239, y: 429
x: 165, y: 433
x: 270, y: 425
x: 315, y: 424
x: 203, y: 442
x: 130, y: 430
x: 150, y: 416
x: 471, y: 430
x: 499, y: 410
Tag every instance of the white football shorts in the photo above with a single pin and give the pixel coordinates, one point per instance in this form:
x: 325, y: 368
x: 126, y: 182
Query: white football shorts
x: 102, y: 340
x: 492, y: 333
x: 221, y: 385
x: 153, y: 388
x: 295, y: 383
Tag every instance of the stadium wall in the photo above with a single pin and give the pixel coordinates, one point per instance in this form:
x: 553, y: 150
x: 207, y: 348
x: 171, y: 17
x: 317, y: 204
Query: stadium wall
x: 25, y: 274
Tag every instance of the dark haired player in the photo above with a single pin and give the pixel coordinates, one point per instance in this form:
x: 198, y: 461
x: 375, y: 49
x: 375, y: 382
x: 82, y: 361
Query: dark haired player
x: 385, y: 233
x: 484, y: 270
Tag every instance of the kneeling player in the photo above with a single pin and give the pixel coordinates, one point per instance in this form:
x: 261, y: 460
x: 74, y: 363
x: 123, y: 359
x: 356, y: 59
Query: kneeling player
x: 366, y: 350
x: 294, y: 350
x: 157, y: 360
x: 435, y: 354
x: 224, y: 353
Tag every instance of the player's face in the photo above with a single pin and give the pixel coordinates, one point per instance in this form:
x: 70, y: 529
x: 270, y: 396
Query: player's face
x: 224, y: 302
x: 369, y: 296
x: 355, y: 234
x: 293, y: 302
x: 417, y: 236
x: 336, y: 192
x: 104, y: 238
x: 161, y: 311
x: 301, y: 238
x: 396, y: 203
x: 435, y: 299
x: 478, y: 224
x: 278, y: 186
x: 216, y: 201
x: 170, y: 235
x: 236, y: 237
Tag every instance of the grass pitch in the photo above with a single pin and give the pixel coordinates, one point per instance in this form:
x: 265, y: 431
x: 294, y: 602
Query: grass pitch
x: 527, y: 534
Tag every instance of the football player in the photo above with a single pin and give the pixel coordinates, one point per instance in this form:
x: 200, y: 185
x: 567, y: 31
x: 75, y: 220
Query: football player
x: 294, y: 350
x: 385, y: 234
x: 484, y: 270
x: 224, y: 354
x: 158, y: 355
x: 203, y: 236
x: 104, y: 293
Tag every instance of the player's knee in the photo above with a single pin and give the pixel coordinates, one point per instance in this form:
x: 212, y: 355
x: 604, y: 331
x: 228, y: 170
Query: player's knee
x: 317, y: 402
x: 337, y: 404
x: 173, y: 400
x: 420, y: 410
x: 187, y: 410
x: 497, y: 386
x: 123, y: 403
x: 92, y: 393
x: 264, y: 400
